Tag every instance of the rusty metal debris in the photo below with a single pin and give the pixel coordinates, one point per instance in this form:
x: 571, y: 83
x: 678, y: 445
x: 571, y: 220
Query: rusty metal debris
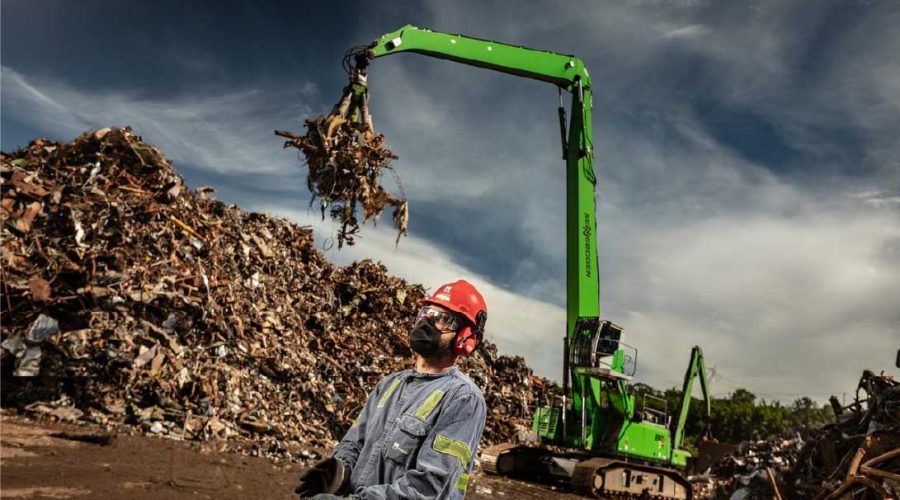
x: 129, y: 299
x: 86, y: 437
x: 857, y: 457
x: 346, y: 160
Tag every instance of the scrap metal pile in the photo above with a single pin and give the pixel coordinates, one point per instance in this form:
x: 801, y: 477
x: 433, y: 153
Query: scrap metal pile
x: 857, y: 457
x: 129, y: 298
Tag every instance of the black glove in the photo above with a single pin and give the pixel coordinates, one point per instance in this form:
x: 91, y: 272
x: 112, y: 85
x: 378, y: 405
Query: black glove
x: 326, y: 476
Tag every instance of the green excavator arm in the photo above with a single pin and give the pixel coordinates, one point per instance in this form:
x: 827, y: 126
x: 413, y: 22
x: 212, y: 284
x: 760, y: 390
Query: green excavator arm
x: 559, y: 69
x: 696, y: 369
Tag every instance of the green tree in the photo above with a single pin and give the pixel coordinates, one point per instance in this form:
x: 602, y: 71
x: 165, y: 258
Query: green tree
x: 740, y: 416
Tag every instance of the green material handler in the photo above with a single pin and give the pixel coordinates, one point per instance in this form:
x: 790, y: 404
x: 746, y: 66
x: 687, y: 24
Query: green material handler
x: 595, y: 436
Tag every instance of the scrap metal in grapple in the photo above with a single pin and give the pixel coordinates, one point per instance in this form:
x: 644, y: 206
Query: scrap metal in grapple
x: 346, y: 160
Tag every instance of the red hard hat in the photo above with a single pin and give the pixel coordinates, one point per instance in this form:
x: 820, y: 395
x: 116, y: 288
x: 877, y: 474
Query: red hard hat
x: 460, y: 297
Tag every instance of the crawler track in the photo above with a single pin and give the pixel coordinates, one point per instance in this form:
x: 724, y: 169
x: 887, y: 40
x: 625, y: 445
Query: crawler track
x: 595, y: 477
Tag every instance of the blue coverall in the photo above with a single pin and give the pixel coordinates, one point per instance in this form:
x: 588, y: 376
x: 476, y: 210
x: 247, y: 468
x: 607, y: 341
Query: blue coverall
x: 415, y: 437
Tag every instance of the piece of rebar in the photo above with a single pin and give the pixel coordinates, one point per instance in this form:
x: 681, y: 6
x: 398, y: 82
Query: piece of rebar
x: 871, y: 471
x: 774, y: 484
x: 881, y: 458
x: 857, y: 458
x: 838, y: 493
x: 100, y: 439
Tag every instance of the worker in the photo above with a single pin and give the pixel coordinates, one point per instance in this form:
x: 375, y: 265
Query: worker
x: 417, y: 433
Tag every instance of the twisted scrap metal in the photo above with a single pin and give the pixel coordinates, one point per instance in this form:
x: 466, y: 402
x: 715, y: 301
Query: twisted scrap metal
x: 346, y: 160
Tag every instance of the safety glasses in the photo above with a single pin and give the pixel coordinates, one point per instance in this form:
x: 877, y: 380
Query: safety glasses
x: 443, y: 320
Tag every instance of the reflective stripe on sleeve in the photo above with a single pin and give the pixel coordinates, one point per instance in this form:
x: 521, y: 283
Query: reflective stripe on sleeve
x: 387, y: 394
x: 463, y: 482
x: 428, y: 405
x: 453, y: 447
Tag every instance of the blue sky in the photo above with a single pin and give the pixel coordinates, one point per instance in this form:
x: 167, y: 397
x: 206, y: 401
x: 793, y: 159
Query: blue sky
x: 747, y: 155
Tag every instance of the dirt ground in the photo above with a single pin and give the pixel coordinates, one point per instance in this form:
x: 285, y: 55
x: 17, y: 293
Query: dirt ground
x: 41, y: 460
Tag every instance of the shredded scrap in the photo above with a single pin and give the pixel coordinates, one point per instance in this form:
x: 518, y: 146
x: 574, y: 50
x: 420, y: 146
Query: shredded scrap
x: 346, y: 160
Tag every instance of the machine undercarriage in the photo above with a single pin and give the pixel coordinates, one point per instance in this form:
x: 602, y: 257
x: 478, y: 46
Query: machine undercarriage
x: 599, y: 477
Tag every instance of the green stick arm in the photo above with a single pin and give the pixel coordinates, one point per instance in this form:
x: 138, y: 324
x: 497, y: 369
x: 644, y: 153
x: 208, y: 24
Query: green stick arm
x: 558, y: 69
x: 696, y: 368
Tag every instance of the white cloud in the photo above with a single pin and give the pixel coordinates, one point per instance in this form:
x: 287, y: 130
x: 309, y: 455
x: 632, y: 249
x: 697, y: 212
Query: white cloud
x: 222, y: 132
x: 21, y: 88
x: 812, y: 298
x: 692, y: 31
x: 879, y: 198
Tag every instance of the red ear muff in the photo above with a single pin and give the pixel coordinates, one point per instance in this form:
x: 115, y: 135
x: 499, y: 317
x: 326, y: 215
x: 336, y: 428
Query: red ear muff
x: 469, y: 337
x: 465, y: 342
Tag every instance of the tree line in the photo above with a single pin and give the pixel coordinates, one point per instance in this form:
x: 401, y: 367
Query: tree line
x: 740, y: 416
